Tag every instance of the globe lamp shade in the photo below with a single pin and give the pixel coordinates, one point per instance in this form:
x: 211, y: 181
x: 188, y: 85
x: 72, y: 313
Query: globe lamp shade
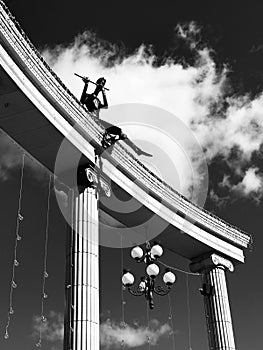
x: 137, y: 253
x: 169, y: 278
x: 152, y: 270
x: 127, y: 279
x: 157, y: 251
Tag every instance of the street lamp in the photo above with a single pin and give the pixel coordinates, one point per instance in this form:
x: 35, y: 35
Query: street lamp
x: 147, y: 285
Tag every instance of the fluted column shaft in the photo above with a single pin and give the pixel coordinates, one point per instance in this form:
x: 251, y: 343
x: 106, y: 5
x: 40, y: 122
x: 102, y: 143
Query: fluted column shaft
x: 82, y: 315
x: 216, y: 301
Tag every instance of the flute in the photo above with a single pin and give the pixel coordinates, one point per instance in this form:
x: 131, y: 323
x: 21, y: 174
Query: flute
x: 83, y: 78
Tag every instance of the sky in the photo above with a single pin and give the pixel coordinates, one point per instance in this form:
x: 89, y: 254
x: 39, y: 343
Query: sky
x: 198, y: 65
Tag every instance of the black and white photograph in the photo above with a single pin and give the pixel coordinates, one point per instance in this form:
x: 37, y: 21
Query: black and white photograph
x: 131, y: 175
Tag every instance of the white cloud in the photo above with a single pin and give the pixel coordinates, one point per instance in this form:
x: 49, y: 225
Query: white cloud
x: 250, y: 185
x: 114, y: 335
x: 220, y: 201
x: 52, y: 330
x: 186, y: 92
x: 241, y: 126
x: 190, y: 32
x: 10, y: 156
x: 251, y: 182
x: 62, y: 197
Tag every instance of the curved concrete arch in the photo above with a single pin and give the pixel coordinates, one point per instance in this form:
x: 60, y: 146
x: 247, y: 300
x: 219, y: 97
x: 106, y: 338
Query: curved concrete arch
x: 30, y: 84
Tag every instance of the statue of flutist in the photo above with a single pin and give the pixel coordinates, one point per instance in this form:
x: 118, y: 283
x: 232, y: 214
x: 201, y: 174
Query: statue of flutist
x: 93, y: 103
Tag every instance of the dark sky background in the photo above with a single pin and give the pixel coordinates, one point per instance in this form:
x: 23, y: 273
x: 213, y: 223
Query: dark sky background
x: 235, y: 31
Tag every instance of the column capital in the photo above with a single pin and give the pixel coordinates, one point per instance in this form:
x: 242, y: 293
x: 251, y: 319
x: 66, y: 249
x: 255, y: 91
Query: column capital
x: 92, y: 177
x: 104, y: 185
x: 96, y: 179
x: 209, y: 262
x: 87, y: 177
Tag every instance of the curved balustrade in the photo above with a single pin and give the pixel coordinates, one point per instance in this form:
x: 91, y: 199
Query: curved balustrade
x: 46, y: 80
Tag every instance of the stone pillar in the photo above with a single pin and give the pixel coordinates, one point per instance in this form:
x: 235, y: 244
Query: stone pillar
x: 216, y: 302
x: 82, y: 277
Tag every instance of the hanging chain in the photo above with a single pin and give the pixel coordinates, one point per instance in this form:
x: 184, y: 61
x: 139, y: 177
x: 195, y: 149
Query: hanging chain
x: 44, y: 295
x: 179, y: 270
x: 171, y: 321
x: 148, y: 322
x: 19, y: 218
x: 188, y: 312
x: 123, y: 301
x: 148, y: 246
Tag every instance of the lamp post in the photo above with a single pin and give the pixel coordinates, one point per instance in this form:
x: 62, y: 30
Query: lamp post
x: 147, y: 285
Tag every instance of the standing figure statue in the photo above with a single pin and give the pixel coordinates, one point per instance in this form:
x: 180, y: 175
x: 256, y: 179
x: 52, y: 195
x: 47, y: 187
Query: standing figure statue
x: 91, y: 101
x: 112, y: 132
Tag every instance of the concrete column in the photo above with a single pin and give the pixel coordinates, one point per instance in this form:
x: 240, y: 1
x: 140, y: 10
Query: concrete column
x: 216, y: 302
x: 82, y: 284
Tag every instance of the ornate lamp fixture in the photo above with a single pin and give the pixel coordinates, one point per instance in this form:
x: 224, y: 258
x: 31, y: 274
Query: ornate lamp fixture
x: 147, y: 286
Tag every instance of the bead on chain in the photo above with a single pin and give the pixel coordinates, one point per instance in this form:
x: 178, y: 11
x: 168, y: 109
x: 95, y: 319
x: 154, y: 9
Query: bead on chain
x: 38, y: 344
x: 6, y: 336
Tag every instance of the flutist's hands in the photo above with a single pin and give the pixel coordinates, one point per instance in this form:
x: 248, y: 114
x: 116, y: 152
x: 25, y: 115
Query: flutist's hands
x: 100, y: 87
x: 85, y: 80
x: 102, y: 90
